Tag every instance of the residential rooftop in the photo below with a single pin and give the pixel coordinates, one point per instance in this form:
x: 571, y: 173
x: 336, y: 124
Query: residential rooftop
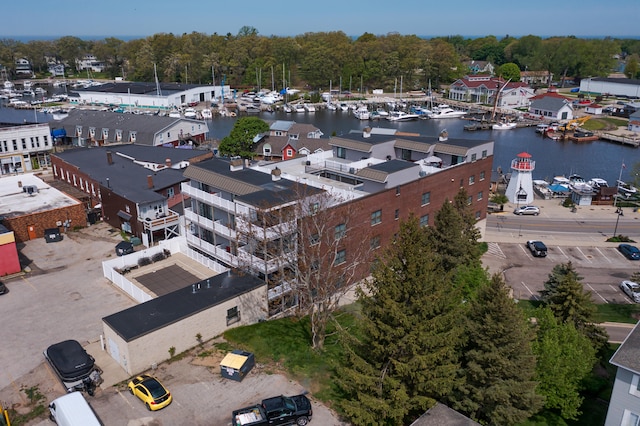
x: 628, y: 354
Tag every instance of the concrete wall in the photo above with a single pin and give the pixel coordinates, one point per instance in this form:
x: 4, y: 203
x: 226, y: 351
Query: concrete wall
x: 139, y: 355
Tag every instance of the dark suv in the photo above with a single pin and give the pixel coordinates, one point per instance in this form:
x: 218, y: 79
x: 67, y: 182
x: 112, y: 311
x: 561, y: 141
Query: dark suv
x: 537, y: 248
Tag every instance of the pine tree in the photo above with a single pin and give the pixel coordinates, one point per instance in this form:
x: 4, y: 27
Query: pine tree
x: 454, y: 234
x: 411, y: 317
x: 564, y: 294
x: 564, y: 359
x: 498, y: 361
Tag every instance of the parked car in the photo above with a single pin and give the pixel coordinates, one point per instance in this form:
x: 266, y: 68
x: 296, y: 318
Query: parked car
x: 123, y: 248
x: 279, y: 410
x: 631, y: 289
x: 527, y: 210
x: 3, y: 288
x: 150, y: 391
x: 537, y: 248
x: 629, y: 251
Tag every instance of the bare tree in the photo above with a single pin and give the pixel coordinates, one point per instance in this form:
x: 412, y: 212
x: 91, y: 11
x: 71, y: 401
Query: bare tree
x: 311, y: 246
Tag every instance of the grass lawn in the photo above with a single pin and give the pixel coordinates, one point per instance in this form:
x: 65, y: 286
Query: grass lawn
x: 602, y: 123
x: 608, y: 312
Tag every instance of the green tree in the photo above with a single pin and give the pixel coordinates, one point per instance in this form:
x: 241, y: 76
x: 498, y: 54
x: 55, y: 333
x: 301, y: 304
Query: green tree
x: 498, y: 360
x: 240, y: 139
x: 454, y: 234
x: 412, y: 333
x: 565, y: 296
x: 632, y: 67
x: 509, y: 71
x: 565, y: 358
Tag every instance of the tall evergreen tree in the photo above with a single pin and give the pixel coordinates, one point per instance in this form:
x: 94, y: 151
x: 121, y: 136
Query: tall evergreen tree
x: 408, y: 357
x: 565, y: 358
x: 498, y: 361
x: 564, y: 294
x: 454, y: 235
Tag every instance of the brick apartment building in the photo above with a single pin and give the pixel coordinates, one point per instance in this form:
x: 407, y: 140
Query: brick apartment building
x: 375, y: 181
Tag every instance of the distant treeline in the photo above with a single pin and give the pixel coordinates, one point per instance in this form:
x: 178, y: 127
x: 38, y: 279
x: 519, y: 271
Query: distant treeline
x: 313, y: 60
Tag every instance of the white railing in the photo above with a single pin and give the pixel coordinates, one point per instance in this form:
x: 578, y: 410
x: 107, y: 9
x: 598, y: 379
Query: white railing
x: 216, y: 226
x: 216, y: 251
x: 163, y: 222
x: 271, y: 233
x: 213, y: 199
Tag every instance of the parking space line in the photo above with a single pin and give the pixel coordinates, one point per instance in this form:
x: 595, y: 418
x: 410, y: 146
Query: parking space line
x: 125, y: 399
x: 563, y: 253
x: 603, y: 255
x: 584, y: 255
x: 535, y: 296
x: 598, y: 294
x: 29, y: 282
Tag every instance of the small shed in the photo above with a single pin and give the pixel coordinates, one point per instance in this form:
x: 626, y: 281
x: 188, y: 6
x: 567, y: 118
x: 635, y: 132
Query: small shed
x: 594, y: 109
x: 237, y: 364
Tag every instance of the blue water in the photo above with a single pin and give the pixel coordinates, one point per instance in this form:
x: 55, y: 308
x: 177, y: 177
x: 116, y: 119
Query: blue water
x: 590, y: 159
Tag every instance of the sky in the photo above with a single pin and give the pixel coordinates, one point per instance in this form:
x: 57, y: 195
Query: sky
x: 142, y: 18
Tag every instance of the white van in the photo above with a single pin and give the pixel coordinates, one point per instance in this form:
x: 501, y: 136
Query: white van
x: 72, y: 410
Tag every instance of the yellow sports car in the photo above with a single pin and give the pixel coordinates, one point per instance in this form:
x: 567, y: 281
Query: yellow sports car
x: 150, y: 391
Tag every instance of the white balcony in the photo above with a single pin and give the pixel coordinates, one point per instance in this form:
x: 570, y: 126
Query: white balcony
x: 247, y: 228
x: 215, y: 226
x: 213, y: 200
x: 169, y: 220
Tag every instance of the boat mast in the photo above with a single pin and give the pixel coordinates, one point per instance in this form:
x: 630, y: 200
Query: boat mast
x: 495, y: 101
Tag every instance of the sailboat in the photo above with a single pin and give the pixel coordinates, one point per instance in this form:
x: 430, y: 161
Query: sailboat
x: 330, y: 105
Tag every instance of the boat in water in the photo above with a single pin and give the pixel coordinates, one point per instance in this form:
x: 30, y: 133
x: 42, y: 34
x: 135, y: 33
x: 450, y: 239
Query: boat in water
x: 362, y: 113
x: 402, y: 116
x: 206, y: 114
x: 445, y: 111
x: 597, y: 183
x: 626, y: 189
x: 503, y: 125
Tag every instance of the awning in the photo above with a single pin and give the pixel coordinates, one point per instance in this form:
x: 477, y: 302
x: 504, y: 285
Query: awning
x: 124, y: 215
x: 58, y: 133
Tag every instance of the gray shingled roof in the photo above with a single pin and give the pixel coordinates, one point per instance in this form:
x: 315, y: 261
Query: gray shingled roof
x: 145, y: 126
x: 628, y: 354
x: 127, y: 178
x: 549, y: 103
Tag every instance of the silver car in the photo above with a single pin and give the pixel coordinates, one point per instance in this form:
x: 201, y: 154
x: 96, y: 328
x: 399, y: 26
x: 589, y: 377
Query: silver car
x: 631, y: 289
x: 527, y: 210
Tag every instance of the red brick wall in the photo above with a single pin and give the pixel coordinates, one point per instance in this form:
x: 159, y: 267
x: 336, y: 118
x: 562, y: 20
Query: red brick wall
x: 442, y: 185
x: 44, y: 220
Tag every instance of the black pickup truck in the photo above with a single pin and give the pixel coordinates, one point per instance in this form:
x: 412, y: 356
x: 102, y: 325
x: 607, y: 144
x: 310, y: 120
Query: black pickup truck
x: 279, y: 410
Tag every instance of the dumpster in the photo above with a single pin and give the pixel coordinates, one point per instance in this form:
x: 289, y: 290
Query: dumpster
x: 237, y: 364
x: 52, y: 235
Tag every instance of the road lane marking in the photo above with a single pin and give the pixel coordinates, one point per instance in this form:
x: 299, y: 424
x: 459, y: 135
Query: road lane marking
x: 598, y: 294
x: 603, y: 255
x: 583, y: 255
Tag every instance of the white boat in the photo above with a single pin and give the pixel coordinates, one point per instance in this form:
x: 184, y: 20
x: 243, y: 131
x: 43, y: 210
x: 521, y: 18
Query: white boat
x: 421, y: 111
x: 344, y: 107
x: 402, y: 116
x: 362, y: 113
x: 382, y: 112
x: 598, y: 183
x: 331, y: 107
x: 298, y: 108
x: 445, y: 111
x: 287, y: 108
x: 626, y: 189
x: 542, y: 128
x: 190, y: 113
x: 40, y: 91
x: 309, y: 107
x: 206, y: 114
x: 503, y: 125
x: 174, y: 114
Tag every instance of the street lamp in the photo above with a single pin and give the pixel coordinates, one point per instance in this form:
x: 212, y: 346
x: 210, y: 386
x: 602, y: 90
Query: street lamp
x: 619, y: 213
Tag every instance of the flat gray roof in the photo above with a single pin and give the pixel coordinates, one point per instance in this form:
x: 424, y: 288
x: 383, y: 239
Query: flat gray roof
x: 14, y: 201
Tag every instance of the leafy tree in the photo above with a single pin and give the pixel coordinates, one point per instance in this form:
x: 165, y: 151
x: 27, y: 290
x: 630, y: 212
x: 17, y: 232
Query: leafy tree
x: 240, y: 139
x: 564, y: 359
x: 510, y: 71
x: 498, y: 360
x: 408, y: 356
x: 632, y: 67
x: 565, y: 296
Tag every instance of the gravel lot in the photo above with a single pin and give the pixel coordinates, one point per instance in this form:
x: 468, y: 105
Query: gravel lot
x: 65, y: 297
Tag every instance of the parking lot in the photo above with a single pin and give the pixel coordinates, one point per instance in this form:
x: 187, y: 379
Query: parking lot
x: 65, y: 297
x: 602, y: 268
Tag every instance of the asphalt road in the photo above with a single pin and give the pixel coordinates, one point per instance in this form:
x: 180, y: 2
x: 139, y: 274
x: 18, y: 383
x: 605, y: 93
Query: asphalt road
x: 549, y: 224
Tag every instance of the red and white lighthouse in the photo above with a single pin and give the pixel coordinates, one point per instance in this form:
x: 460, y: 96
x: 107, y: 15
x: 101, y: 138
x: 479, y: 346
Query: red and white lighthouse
x: 520, y: 188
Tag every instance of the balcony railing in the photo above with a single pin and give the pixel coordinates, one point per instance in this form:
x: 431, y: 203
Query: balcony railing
x: 213, y: 200
x: 171, y: 219
x: 271, y: 233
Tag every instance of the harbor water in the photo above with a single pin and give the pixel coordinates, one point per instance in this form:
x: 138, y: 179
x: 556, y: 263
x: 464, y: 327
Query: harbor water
x: 588, y: 159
